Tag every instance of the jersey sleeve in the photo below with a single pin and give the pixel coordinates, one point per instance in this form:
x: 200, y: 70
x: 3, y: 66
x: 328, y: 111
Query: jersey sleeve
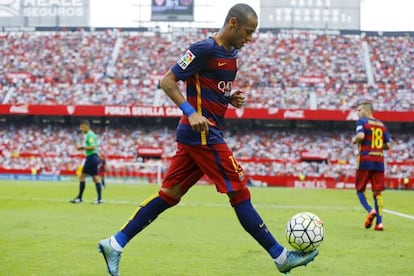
x: 359, y: 126
x: 193, y: 60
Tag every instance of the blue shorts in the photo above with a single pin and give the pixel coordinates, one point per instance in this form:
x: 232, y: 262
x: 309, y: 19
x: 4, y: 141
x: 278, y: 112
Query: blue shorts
x: 91, y: 165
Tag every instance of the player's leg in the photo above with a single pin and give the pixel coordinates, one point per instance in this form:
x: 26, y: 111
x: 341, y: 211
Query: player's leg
x: 181, y: 175
x: 379, y: 205
x: 218, y: 162
x: 78, y: 198
x: 253, y: 224
x: 92, y: 169
x: 361, y: 181
x: 148, y: 210
x: 377, y: 187
x: 98, y: 186
x: 222, y: 168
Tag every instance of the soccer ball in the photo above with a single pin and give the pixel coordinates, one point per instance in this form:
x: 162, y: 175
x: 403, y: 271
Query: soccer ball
x: 304, y: 231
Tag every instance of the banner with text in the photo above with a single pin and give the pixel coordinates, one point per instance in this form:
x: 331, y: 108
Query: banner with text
x: 44, y: 13
x: 173, y: 111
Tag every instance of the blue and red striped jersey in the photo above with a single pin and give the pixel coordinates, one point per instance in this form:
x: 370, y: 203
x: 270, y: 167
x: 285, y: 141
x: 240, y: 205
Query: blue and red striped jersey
x: 209, y: 71
x: 371, y: 149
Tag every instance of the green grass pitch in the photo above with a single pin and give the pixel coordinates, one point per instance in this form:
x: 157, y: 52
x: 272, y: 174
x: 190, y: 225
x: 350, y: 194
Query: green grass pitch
x: 41, y: 233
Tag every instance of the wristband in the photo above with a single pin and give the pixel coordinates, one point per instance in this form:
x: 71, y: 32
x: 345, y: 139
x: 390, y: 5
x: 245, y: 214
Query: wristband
x: 187, y: 108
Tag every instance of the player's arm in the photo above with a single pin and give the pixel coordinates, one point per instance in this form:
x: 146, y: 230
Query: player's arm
x: 86, y: 147
x: 80, y: 147
x: 357, y: 139
x: 387, y: 146
x: 169, y: 85
x: 360, y: 134
x: 93, y: 145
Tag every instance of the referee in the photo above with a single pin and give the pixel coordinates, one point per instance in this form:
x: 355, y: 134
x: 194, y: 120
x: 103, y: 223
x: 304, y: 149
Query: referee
x: 90, y: 167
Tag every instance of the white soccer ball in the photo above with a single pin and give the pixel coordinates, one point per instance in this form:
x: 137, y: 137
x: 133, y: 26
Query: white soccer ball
x: 305, y: 231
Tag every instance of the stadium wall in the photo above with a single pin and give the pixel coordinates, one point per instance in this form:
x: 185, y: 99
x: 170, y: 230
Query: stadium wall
x: 297, y: 182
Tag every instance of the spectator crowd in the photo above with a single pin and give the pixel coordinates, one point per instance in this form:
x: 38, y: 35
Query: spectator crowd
x: 51, y: 149
x: 286, y: 69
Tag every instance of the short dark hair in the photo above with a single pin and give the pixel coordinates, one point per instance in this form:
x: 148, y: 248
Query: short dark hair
x: 85, y: 122
x: 241, y: 12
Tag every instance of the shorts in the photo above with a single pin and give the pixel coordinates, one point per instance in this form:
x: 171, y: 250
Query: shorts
x: 376, y: 178
x: 216, y: 161
x: 90, y: 167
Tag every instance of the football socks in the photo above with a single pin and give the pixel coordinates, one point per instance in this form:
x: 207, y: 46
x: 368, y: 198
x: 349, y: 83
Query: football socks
x: 254, y: 225
x: 364, y: 201
x: 147, y: 212
x: 379, y: 203
x: 99, y: 190
x: 81, y: 189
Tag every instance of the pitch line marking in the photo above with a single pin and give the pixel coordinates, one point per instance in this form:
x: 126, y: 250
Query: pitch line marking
x: 273, y: 206
x: 398, y: 214
x: 213, y: 205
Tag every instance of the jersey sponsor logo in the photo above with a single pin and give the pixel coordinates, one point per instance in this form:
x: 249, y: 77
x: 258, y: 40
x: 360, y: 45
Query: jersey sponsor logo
x: 225, y: 87
x: 186, y: 59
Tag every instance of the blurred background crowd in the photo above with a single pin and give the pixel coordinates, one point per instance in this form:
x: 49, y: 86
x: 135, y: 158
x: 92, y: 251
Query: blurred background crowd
x: 281, y: 70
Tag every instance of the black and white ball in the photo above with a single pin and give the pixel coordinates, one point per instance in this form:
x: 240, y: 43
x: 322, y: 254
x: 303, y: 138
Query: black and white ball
x: 305, y: 231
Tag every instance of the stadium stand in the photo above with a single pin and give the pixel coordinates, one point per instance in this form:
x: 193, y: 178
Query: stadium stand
x: 51, y: 149
x: 287, y: 69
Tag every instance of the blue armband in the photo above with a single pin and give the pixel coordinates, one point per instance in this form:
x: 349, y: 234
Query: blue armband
x: 187, y: 108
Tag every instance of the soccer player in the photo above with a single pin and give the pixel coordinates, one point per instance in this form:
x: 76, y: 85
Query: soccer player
x: 90, y: 166
x: 209, y: 68
x: 372, y: 138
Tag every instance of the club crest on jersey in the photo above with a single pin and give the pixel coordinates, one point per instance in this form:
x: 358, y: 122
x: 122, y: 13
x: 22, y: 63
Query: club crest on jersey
x: 186, y: 59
